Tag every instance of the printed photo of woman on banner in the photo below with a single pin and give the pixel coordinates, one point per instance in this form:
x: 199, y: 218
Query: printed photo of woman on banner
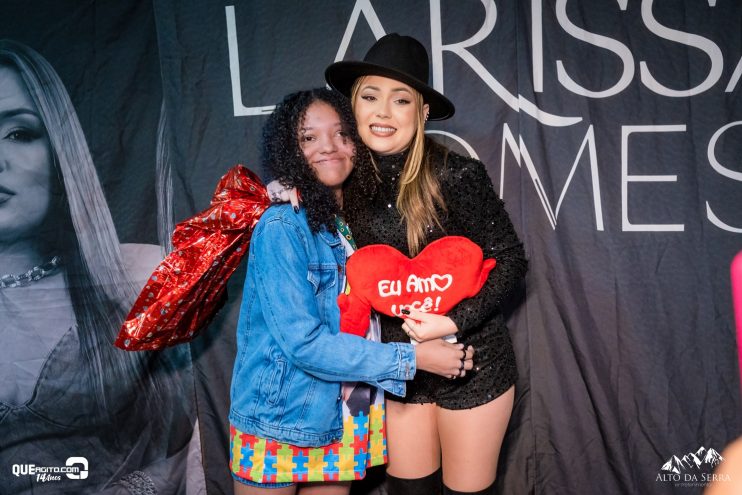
x: 77, y: 415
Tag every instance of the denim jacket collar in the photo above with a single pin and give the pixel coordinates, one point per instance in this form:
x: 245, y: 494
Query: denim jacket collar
x: 331, y: 238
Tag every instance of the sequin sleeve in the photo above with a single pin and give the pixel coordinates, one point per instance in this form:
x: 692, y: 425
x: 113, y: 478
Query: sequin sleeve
x: 477, y: 211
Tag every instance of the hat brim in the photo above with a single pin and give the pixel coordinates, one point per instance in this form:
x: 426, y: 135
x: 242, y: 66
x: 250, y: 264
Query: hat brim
x: 342, y: 75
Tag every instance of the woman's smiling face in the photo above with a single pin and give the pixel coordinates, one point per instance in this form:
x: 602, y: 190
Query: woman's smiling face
x: 25, y: 161
x: 386, y: 112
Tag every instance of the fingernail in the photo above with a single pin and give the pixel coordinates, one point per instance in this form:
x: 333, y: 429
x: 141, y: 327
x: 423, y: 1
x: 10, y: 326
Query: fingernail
x: 296, y: 209
x: 405, y: 311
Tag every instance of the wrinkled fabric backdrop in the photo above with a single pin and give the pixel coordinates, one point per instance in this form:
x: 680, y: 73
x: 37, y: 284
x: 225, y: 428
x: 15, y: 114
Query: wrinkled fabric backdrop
x: 612, y: 129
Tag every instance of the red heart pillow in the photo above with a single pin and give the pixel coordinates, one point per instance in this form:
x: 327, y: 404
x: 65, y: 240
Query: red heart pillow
x: 380, y: 277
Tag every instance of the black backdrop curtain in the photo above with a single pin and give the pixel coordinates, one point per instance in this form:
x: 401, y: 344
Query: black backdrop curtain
x: 612, y: 129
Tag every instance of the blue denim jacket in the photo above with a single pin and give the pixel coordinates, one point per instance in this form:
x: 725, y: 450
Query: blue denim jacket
x: 291, y: 356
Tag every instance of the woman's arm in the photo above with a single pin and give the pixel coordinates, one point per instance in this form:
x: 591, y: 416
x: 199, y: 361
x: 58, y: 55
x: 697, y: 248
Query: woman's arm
x: 290, y: 309
x: 282, y: 194
x: 480, y: 213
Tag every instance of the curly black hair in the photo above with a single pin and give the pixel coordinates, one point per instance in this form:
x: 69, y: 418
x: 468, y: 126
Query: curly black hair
x: 283, y: 158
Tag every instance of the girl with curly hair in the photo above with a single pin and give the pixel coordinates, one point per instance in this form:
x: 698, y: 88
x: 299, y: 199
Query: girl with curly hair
x: 288, y: 431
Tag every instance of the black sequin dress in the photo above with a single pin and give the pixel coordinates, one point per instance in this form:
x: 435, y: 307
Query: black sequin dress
x: 474, y: 211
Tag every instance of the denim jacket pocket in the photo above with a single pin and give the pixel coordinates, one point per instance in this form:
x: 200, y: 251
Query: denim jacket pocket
x: 275, y: 381
x: 322, y: 276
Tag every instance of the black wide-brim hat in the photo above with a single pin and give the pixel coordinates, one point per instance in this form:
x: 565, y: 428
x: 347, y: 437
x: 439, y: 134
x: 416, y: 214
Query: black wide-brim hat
x: 401, y: 58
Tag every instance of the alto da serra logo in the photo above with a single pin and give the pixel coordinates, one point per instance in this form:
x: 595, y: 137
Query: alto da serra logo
x: 693, y: 469
x: 700, y: 460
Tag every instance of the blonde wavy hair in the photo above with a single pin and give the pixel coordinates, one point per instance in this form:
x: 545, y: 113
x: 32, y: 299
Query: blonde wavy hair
x: 419, y: 190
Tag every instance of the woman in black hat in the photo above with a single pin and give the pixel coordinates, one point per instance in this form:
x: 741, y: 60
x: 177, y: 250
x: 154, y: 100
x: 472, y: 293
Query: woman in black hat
x: 425, y: 192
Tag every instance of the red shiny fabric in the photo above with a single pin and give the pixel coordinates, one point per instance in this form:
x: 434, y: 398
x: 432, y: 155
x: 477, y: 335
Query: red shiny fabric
x: 188, y: 287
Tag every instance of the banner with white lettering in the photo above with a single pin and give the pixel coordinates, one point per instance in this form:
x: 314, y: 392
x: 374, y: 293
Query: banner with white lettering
x: 611, y: 129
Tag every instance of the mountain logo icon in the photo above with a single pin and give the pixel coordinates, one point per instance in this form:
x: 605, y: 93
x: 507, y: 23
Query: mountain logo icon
x: 701, y: 460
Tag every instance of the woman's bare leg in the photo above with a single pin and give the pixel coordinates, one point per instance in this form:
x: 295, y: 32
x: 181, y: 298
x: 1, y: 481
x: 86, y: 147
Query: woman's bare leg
x: 412, y: 440
x: 327, y: 488
x: 470, y: 442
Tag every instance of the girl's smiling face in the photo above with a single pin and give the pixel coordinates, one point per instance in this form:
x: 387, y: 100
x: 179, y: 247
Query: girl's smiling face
x: 326, y: 145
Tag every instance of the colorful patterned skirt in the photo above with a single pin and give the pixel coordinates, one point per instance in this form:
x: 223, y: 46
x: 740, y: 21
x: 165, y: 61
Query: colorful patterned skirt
x: 261, y: 460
